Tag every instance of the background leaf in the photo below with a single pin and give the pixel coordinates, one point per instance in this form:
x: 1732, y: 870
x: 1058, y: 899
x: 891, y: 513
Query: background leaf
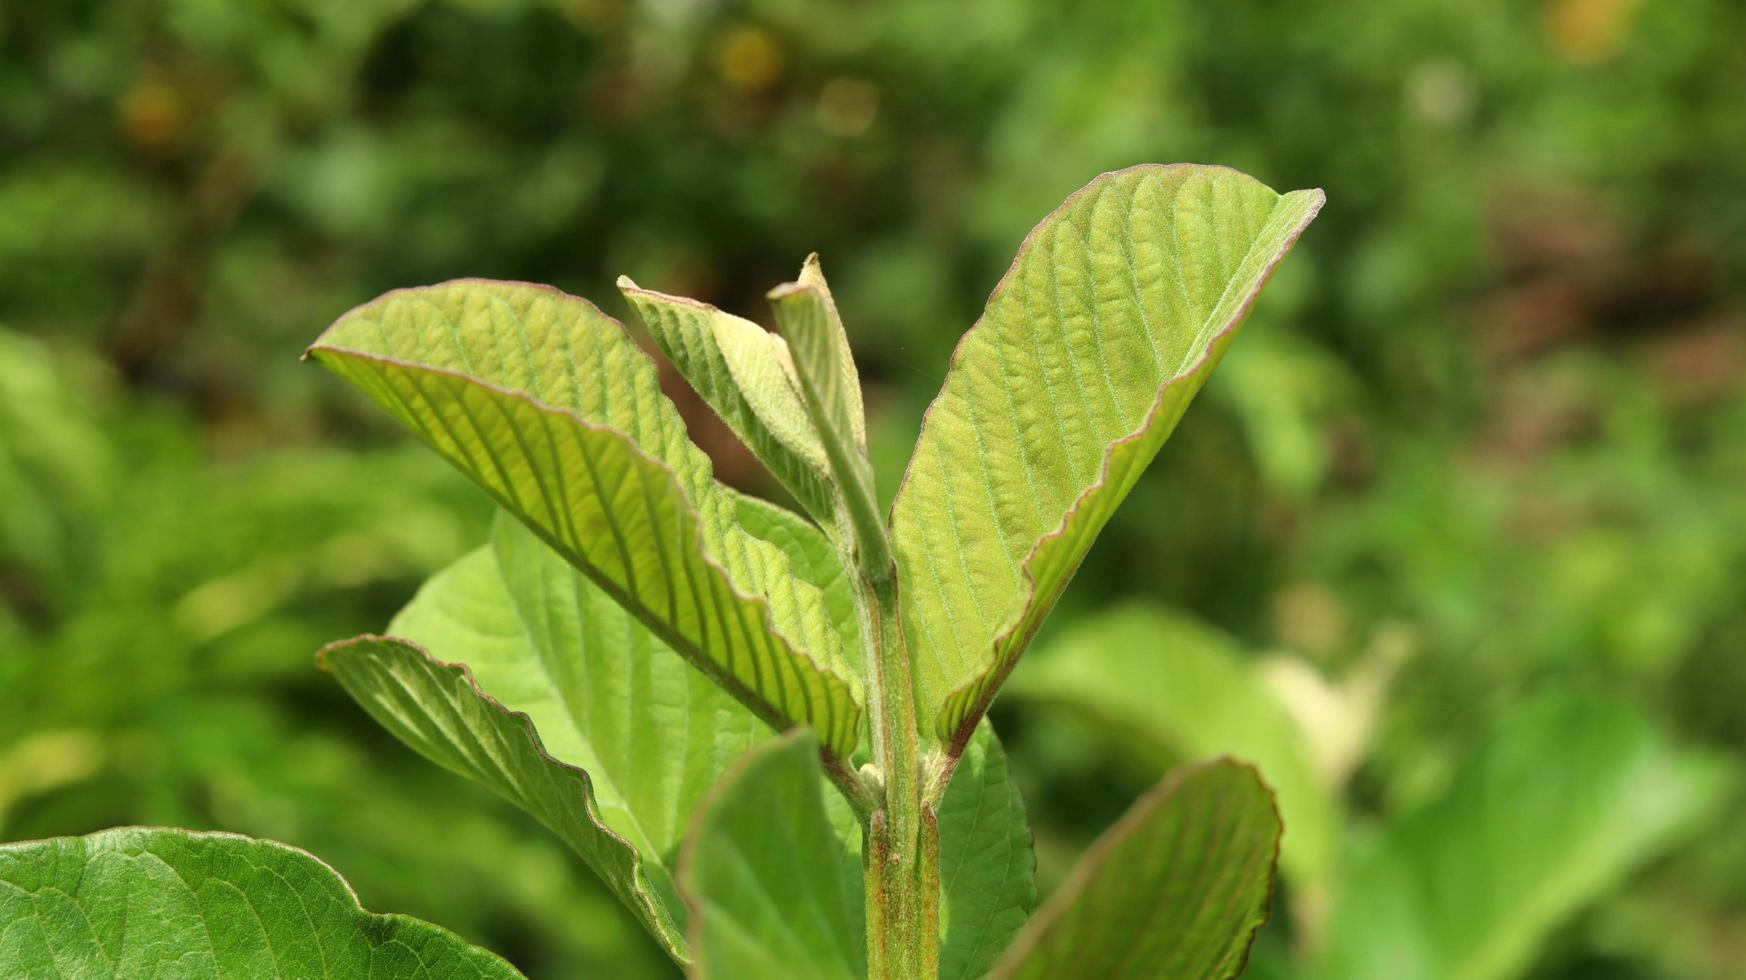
x: 1117, y: 307
x: 1554, y: 806
x: 138, y: 902
x: 987, y: 867
x: 1175, y: 889
x: 1175, y: 690
x: 547, y: 404
x: 771, y: 887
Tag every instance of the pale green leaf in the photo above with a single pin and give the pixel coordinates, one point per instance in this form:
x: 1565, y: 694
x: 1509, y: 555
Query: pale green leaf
x: 548, y: 405
x: 1563, y: 798
x: 1089, y: 351
x: 1175, y: 889
x: 746, y: 375
x: 147, y: 902
x: 987, y: 866
x: 1175, y: 689
x: 773, y: 891
x: 812, y: 558
x: 822, y: 363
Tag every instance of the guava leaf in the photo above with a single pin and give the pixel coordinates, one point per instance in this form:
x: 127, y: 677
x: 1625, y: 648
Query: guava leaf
x: 548, y: 405
x: 1175, y: 889
x: 824, y: 374
x: 744, y: 373
x: 1559, y: 801
x: 987, y: 865
x: 1090, y: 349
x: 813, y: 559
x: 771, y: 887
x: 1176, y: 689
x: 151, y: 902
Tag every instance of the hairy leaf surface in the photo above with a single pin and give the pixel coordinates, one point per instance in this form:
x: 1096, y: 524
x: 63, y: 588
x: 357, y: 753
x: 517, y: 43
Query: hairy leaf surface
x: 771, y: 887
x: 1175, y: 690
x: 1563, y: 798
x: 547, y: 404
x: 1175, y: 889
x: 1089, y: 351
x: 149, y: 902
x: 744, y: 373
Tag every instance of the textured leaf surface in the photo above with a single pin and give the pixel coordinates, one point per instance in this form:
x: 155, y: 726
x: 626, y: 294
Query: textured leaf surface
x: 1187, y: 692
x: 826, y: 378
x: 547, y: 404
x: 813, y: 558
x: 744, y: 373
x: 144, y: 902
x: 1175, y: 889
x: 987, y: 865
x: 1560, y: 801
x: 1089, y: 351
x: 773, y: 891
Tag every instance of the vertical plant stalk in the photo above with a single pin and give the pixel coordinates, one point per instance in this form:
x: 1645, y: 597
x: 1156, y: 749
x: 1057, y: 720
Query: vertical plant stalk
x: 901, y: 852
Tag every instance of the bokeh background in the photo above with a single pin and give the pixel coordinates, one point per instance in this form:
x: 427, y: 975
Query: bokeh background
x: 1459, y: 527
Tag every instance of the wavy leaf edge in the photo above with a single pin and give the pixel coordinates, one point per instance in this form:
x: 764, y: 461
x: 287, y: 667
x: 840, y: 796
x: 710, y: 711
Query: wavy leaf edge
x: 757, y: 704
x: 591, y: 806
x: 955, y: 726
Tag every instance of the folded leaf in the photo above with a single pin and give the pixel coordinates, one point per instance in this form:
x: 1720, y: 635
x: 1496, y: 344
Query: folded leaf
x: 987, y: 865
x: 1187, y: 692
x: 825, y: 376
x: 1175, y: 889
x: 1110, y: 319
x: 546, y: 403
x: 146, y: 902
x: 746, y: 375
x: 1559, y: 801
x: 773, y: 891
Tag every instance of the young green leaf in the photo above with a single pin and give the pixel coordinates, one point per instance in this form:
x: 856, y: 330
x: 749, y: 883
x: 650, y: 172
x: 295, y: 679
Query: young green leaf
x: 546, y: 403
x: 1110, y: 319
x: 808, y: 319
x: 1560, y: 800
x: 146, y: 902
x: 772, y: 889
x: 1175, y: 889
x: 987, y: 866
x: 1174, y: 689
x: 812, y: 558
x: 745, y: 374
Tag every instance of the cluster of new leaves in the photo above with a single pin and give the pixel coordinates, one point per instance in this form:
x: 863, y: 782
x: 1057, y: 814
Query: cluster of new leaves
x: 622, y: 660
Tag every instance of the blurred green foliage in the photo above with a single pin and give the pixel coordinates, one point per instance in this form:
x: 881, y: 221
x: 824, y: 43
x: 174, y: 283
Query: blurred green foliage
x: 1484, y: 443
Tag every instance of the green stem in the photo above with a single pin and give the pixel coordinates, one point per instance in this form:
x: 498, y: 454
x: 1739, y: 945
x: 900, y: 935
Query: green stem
x: 902, y: 845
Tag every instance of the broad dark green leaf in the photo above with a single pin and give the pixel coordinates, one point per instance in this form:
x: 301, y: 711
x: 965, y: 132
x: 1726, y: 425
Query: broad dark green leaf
x: 147, y: 902
x: 1112, y: 316
x: 1174, y: 689
x: 773, y: 891
x: 1175, y: 889
x: 987, y: 865
x: 548, y: 405
x: 1559, y: 801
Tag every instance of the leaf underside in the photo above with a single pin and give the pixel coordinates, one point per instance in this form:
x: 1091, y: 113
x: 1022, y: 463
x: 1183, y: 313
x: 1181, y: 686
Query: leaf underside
x: 1091, y: 347
x: 149, y: 902
x: 771, y: 888
x: 1175, y: 889
x: 549, y: 406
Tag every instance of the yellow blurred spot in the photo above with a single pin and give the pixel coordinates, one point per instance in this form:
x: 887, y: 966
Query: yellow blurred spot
x: 152, y: 116
x: 748, y: 59
x: 47, y: 760
x: 847, y: 106
x: 1586, y: 31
